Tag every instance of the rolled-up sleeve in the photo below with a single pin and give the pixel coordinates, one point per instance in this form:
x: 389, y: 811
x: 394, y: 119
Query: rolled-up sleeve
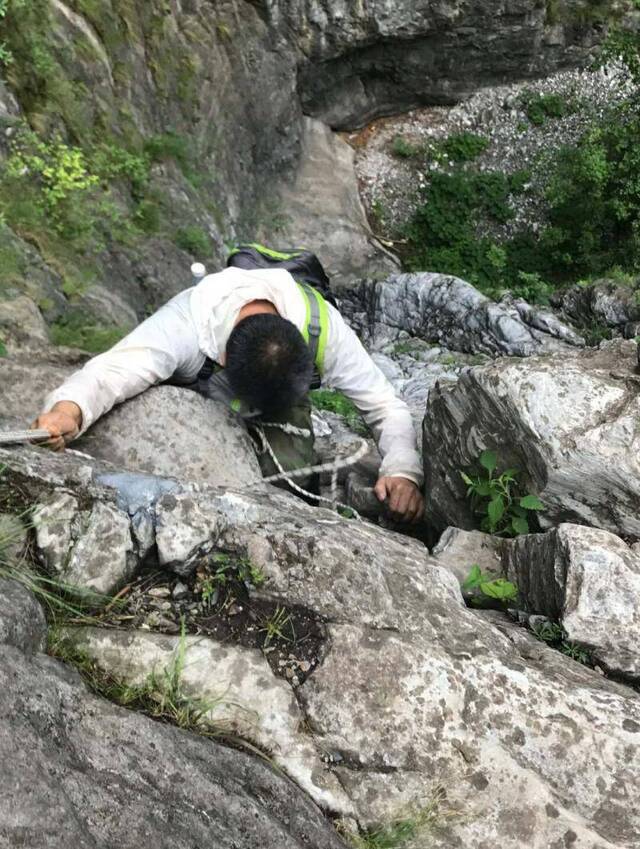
x: 162, y: 346
x: 350, y: 369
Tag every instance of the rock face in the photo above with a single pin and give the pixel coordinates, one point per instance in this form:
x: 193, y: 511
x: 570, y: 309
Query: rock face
x: 245, y: 699
x: 175, y: 432
x: 589, y: 580
x: 569, y: 424
x: 366, y: 60
x: 92, y: 549
x: 22, y: 622
x: 148, y: 781
x: 27, y: 378
x: 189, y: 67
x: 446, y: 310
x: 603, y: 304
x: 322, y: 209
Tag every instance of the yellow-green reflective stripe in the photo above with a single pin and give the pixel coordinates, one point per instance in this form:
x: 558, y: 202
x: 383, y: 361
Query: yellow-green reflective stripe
x: 324, y: 330
x: 307, y: 315
x: 263, y: 249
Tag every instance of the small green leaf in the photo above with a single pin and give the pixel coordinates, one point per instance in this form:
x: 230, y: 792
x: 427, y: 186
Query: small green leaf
x: 473, y: 579
x: 500, y: 589
x: 520, y: 526
x: 512, y: 474
x: 466, y: 479
x: 495, y: 510
x: 482, y: 488
x: 3, y: 349
x: 489, y: 460
x: 532, y: 502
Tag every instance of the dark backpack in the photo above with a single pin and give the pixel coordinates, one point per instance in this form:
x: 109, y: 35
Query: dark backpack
x: 303, y: 265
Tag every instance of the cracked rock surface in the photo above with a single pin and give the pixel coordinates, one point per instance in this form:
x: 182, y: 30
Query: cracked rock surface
x: 570, y: 424
x: 412, y: 689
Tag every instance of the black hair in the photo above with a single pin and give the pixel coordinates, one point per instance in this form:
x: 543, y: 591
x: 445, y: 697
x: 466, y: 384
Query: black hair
x: 268, y: 362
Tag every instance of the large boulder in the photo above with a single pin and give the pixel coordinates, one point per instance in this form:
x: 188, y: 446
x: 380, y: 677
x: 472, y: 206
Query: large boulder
x: 175, y: 432
x: 570, y: 424
x: 362, y: 60
x: 589, y: 580
x: 22, y: 622
x: 79, y: 771
x: 450, y: 312
x: 416, y: 698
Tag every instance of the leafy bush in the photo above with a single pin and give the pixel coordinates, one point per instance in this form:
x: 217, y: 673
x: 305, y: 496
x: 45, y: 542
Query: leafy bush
x: 464, y: 146
x: 539, y: 107
x: 442, y: 236
x: 194, y: 240
x: 497, y: 498
x: 403, y: 149
x: 77, y: 330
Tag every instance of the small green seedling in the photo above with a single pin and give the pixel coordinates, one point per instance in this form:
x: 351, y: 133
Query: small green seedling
x: 498, y: 589
x: 275, y: 625
x: 495, y: 498
x: 555, y: 636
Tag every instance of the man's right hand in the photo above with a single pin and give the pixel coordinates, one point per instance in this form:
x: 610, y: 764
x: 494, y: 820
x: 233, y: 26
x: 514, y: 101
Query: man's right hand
x: 63, y: 421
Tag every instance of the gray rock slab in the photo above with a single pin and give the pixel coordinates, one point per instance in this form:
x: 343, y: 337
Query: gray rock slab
x: 568, y: 423
x: 22, y: 621
x: 79, y: 771
x: 91, y: 548
x: 446, y: 310
x: 246, y: 700
x: 174, y: 432
x: 459, y: 550
x: 324, y: 209
x: 588, y: 579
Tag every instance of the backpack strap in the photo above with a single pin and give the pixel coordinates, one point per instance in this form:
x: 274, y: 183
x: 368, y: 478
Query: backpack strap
x: 316, y: 329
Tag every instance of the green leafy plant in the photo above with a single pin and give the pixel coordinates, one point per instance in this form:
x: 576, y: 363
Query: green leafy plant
x: 496, y: 498
x: 497, y: 589
x: 77, y: 330
x: 554, y: 635
x: 3, y: 348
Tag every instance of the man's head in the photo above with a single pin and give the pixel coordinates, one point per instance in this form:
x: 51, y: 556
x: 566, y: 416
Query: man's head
x: 268, y: 362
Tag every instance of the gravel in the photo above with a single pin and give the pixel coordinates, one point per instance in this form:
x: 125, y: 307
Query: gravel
x: 390, y: 185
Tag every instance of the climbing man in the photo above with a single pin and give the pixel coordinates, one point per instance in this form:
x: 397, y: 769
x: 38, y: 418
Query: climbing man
x: 250, y: 336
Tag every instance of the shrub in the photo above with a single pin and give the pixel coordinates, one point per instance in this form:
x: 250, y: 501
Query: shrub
x: 464, y: 146
x: 77, y: 330
x: 498, y: 498
x: 404, y: 149
x: 194, y: 240
x: 539, y: 107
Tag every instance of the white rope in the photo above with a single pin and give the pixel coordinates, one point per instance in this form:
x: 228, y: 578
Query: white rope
x: 333, y: 467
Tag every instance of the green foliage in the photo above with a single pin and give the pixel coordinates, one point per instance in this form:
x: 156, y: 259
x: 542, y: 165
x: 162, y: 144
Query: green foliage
x: 540, y: 107
x: 336, y: 402
x: 77, y: 330
x: 497, y: 589
x: 404, y: 149
x: 277, y: 626
x: 497, y: 498
x: 554, y: 635
x: 442, y: 236
x: 3, y: 348
x: 464, y: 146
x: 409, y: 829
x: 171, y: 145
x: 194, y: 240
x: 161, y: 696
x: 225, y: 570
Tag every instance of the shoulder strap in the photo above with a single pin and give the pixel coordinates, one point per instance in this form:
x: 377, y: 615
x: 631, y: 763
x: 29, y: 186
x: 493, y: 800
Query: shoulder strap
x: 316, y: 328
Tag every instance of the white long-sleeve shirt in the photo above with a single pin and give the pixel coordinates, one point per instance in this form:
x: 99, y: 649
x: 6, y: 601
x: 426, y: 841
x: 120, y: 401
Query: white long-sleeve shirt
x: 174, y: 342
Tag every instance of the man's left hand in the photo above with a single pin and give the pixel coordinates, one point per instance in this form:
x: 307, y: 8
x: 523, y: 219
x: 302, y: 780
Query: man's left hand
x: 404, y: 500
